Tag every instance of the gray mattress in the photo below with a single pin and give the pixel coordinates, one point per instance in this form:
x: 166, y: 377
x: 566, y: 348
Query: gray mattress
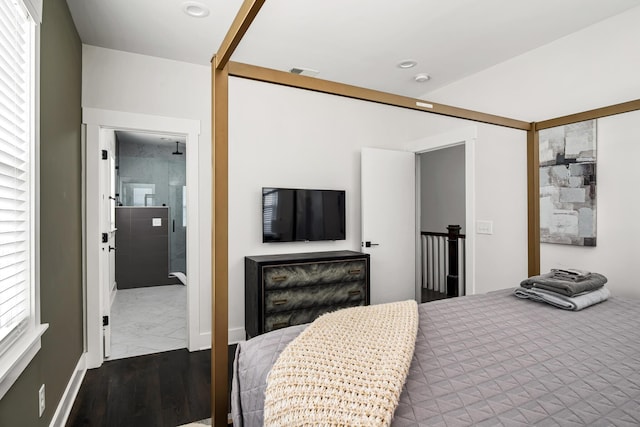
x: 494, y: 359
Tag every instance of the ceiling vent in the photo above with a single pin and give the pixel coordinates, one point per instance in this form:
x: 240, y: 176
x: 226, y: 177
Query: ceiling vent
x: 304, y: 71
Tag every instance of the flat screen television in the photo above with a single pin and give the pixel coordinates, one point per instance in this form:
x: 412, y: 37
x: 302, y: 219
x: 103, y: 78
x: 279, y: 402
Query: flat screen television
x: 299, y: 215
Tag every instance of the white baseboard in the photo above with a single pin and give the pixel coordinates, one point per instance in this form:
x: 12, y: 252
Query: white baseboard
x: 236, y: 335
x: 203, y: 340
x: 69, y: 396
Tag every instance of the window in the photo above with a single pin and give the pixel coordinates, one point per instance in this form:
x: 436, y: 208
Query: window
x: 20, y: 330
x: 143, y: 194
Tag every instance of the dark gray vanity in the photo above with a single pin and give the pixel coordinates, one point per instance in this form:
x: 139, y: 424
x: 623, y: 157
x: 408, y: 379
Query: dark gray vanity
x: 142, y: 240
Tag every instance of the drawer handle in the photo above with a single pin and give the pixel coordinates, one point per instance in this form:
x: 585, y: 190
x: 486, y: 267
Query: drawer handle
x: 279, y: 278
x: 279, y: 302
x: 280, y: 325
x: 354, y: 293
x: 355, y: 271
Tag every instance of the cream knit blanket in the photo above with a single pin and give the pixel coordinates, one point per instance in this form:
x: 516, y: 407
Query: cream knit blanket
x: 346, y: 369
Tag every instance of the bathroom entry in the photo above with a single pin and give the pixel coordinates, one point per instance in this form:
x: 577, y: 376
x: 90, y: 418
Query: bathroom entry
x: 148, y: 313
x: 151, y: 173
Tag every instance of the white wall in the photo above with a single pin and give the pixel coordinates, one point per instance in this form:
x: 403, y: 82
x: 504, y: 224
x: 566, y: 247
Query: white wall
x: 618, y: 228
x: 287, y: 137
x: 497, y: 194
x: 442, y: 195
x: 501, y: 197
x: 592, y: 68
x: 132, y: 83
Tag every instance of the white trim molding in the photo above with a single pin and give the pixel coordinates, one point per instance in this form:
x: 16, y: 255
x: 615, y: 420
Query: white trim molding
x: 69, y: 396
x: 237, y: 335
x: 19, y: 355
x: 467, y: 136
x: 98, y: 120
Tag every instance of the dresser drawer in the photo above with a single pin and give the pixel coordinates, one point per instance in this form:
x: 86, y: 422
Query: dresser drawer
x: 275, y: 321
x: 277, y: 300
x: 291, y: 289
x: 293, y: 275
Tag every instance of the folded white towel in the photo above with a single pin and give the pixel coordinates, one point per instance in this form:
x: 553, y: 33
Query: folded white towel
x: 180, y: 276
x: 574, y: 303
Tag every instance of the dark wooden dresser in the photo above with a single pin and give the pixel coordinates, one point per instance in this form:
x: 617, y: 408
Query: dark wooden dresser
x: 292, y: 289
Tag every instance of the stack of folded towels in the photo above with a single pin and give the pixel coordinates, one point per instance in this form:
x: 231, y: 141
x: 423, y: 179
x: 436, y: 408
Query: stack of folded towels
x: 568, y: 289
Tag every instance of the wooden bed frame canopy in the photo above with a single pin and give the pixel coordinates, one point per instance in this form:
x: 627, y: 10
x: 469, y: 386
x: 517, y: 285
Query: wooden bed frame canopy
x: 222, y: 68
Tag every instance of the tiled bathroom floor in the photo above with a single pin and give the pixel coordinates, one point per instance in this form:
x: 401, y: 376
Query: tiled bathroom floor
x: 148, y: 320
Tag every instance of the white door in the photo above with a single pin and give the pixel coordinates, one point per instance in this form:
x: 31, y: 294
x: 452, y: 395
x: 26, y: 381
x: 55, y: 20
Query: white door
x: 388, y: 222
x: 108, y: 240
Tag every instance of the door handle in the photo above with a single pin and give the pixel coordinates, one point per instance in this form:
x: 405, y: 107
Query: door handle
x: 111, y: 248
x: 369, y: 244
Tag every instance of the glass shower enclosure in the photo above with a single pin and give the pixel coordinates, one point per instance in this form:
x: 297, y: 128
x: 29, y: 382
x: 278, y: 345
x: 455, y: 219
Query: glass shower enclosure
x: 151, y: 172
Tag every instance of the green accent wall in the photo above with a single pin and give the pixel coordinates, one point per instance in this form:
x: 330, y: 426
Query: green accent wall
x: 61, y: 297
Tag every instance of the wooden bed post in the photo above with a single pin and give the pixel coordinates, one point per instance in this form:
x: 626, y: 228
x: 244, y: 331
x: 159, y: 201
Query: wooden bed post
x: 533, y: 197
x: 220, y: 253
x: 220, y: 220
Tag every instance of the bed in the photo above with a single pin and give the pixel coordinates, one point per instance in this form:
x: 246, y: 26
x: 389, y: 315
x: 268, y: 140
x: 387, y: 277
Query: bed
x: 493, y: 359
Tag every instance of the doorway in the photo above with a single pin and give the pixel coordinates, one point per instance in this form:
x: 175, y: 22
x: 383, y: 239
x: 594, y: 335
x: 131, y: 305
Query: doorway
x: 465, y: 137
x: 148, y: 300
x: 101, y: 204
x: 372, y: 171
x: 442, y: 205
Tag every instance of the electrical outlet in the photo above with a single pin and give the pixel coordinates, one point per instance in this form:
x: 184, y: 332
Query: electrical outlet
x: 41, y: 402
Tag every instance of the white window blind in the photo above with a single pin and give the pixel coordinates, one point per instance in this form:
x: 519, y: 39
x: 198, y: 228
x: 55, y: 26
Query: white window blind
x: 16, y: 194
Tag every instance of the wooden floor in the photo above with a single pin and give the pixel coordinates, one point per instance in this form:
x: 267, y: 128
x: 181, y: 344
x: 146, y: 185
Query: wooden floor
x: 431, y: 295
x: 163, y: 389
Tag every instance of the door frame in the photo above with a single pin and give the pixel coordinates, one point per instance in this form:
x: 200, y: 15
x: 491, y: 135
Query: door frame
x: 97, y: 120
x: 466, y: 136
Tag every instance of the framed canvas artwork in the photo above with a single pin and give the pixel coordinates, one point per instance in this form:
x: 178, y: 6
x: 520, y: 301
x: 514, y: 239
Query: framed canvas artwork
x: 568, y: 184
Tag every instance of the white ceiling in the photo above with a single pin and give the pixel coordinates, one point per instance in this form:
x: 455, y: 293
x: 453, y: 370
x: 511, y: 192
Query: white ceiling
x: 154, y: 27
x: 350, y: 41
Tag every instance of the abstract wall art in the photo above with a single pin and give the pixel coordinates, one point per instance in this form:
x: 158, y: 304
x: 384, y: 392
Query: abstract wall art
x: 568, y: 184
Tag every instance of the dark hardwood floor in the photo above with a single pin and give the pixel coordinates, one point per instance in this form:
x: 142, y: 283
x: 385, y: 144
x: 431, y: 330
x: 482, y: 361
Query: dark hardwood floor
x: 163, y: 389
x: 431, y: 295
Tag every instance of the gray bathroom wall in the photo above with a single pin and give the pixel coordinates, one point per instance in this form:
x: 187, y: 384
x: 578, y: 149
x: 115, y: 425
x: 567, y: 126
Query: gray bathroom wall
x: 442, y: 189
x: 150, y: 167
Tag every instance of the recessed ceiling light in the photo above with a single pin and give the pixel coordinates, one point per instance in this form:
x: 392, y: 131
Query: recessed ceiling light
x: 195, y: 9
x: 407, y: 63
x: 421, y: 78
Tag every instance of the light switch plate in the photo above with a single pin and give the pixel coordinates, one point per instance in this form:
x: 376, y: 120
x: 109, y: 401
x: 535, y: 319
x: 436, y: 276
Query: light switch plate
x: 156, y: 222
x: 484, y: 227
